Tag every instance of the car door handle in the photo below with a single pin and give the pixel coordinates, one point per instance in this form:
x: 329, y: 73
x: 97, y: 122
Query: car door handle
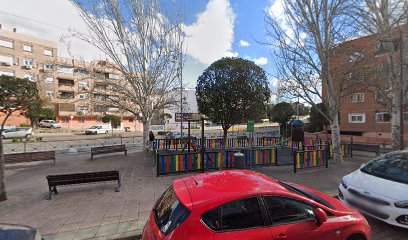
x: 281, y: 236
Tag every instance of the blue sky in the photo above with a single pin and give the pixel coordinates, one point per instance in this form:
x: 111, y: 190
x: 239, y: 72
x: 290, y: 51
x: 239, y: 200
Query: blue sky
x: 216, y: 28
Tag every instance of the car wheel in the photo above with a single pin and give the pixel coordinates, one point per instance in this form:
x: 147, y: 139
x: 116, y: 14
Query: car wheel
x: 356, y: 237
x: 28, y: 136
x: 106, y: 132
x: 96, y: 133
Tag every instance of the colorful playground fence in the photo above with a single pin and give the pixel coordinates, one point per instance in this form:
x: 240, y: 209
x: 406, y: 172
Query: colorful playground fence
x: 214, y: 143
x: 309, y: 159
x: 192, y: 162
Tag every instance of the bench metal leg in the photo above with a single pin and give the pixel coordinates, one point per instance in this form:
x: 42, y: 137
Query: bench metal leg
x: 117, y: 189
x: 52, y: 189
x: 91, y: 156
x: 126, y: 153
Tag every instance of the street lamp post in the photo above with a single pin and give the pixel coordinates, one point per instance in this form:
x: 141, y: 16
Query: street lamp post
x: 180, y: 75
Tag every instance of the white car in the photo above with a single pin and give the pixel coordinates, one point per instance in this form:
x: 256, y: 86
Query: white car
x: 98, y: 129
x: 17, y: 133
x: 380, y: 188
x: 49, y: 124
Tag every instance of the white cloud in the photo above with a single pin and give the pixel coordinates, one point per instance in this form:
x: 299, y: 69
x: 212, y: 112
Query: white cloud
x: 231, y: 54
x: 49, y: 20
x: 211, y: 36
x: 261, y: 61
x: 244, y: 43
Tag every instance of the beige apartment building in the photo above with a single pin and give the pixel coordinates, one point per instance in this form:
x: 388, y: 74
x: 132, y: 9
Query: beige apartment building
x: 77, y: 91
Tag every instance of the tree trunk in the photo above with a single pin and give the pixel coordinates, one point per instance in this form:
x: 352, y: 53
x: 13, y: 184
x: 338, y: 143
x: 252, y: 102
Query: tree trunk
x: 146, y: 129
x: 3, y: 195
x: 224, y: 143
x: 396, y: 119
x: 336, y: 139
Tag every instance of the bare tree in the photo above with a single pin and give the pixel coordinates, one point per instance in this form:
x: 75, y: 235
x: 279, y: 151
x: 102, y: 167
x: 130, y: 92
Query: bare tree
x: 303, y: 39
x: 385, y: 20
x: 144, y: 43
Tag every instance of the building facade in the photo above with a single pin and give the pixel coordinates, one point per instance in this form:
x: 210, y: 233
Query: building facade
x: 365, y: 106
x: 79, y: 92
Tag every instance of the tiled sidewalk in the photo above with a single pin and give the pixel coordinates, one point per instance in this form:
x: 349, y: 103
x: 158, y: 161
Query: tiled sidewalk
x: 96, y: 211
x: 84, y: 211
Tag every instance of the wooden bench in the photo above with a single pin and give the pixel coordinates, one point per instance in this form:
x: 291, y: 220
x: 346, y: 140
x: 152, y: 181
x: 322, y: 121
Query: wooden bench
x: 29, y: 157
x: 108, y: 149
x: 80, y: 178
x: 366, y: 148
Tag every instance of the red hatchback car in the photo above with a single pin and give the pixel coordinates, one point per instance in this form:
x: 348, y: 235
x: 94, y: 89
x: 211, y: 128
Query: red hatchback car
x: 248, y: 205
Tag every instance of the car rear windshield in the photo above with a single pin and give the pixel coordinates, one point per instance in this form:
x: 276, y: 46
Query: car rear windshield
x: 306, y: 194
x: 169, y: 213
x: 392, y: 166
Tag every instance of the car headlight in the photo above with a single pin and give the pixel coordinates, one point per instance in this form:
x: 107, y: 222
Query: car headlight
x: 344, y: 184
x: 401, y: 204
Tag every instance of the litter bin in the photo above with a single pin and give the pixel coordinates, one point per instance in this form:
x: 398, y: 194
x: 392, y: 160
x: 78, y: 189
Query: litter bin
x: 239, y: 160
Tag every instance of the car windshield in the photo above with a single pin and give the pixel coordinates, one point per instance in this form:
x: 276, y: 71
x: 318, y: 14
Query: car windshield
x: 169, y: 212
x: 392, y: 166
x: 306, y: 194
x: 94, y: 127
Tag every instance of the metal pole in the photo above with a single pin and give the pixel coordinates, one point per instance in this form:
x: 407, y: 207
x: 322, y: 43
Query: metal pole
x: 180, y: 72
x: 297, y: 109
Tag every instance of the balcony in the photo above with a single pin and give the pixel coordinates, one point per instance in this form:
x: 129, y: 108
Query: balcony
x: 66, y: 95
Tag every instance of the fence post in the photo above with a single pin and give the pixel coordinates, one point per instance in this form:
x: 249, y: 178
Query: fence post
x: 294, y: 161
x: 276, y: 155
x: 351, y: 147
x: 157, y: 164
x: 121, y: 140
x: 327, y: 162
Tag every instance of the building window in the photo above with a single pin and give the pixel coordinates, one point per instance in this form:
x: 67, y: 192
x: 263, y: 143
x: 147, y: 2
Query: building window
x: 357, y: 118
x: 29, y: 77
x: 356, y: 56
x: 382, y: 95
x: 28, y: 63
x: 83, y: 85
x: 357, y: 97
x: 48, y: 66
x: 66, y: 69
x: 50, y: 94
x: 130, y: 119
x: 6, y: 60
x: 3, y: 73
x: 27, y: 48
x: 382, y: 117
x: 81, y: 120
x: 48, y: 52
x: 49, y: 80
x: 5, y: 43
x: 83, y: 96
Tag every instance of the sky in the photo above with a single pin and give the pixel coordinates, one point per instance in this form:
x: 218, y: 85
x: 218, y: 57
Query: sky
x: 215, y: 29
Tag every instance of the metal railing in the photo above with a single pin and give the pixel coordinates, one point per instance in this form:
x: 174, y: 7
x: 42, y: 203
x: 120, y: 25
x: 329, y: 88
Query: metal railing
x: 80, y: 145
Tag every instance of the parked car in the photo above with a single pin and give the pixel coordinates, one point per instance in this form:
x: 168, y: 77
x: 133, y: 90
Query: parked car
x: 49, y: 124
x: 18, y: 232
x: 380, y: 188
x: 240, y: 204
x: 98, y: 129
x: 18, y: 133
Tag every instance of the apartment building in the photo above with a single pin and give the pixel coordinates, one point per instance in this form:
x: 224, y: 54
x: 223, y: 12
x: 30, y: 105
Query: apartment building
x: 77, y: 91
x: 364, y: 108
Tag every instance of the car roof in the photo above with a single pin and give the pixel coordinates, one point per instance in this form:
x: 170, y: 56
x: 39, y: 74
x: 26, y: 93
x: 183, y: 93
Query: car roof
x: 213, y: 189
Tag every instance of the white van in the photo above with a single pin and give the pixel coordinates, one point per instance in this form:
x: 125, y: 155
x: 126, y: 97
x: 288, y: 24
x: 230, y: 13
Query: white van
x: 98, y: 129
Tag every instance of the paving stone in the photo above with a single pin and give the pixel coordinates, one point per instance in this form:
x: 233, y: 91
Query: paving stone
x: 107, y: 229
x: 86, y: 233
x: 127, y: 226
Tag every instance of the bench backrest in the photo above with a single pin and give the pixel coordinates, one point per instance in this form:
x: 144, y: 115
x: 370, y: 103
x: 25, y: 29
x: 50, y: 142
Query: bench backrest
x: 67, y: 179
x: 29, y: 157
x: 108, y: 148
x: 366, y: 147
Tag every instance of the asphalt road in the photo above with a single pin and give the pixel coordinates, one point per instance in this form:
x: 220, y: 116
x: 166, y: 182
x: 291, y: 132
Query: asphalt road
x: 384, y: 231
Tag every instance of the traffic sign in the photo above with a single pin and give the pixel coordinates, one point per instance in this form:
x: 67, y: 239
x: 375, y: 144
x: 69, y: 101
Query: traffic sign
x: 250, y: 126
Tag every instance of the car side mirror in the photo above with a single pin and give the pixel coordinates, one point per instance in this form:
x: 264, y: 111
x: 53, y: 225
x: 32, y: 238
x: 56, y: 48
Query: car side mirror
x: 321, y: 216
